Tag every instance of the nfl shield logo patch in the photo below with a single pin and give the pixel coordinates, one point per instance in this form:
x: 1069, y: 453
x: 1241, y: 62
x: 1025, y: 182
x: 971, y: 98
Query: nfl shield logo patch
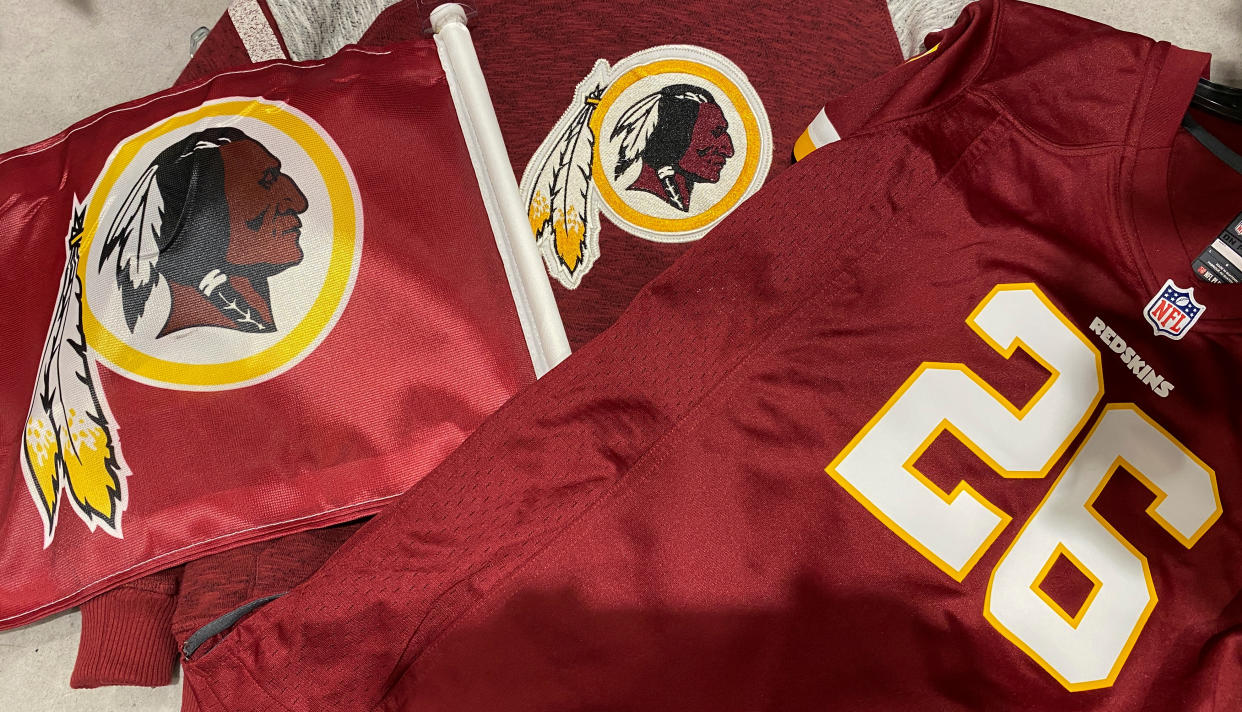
x: 1173, y: 311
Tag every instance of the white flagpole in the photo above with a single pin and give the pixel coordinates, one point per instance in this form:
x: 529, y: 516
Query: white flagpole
x: 532, y: 291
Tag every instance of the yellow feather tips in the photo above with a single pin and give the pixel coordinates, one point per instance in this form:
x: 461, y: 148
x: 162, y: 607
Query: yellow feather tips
x: 539, y: 213
x: 92, y: 481
x: 41, y: 456
x: 67, y: 441
x: 569, y: 231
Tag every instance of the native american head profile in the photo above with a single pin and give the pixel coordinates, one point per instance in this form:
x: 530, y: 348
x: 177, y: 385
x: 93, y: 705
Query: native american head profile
x: 635, y: 145
x: 214, y: 217
x: 681, y: 137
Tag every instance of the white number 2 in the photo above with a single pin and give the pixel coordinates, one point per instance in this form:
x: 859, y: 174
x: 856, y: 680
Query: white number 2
x: 953, y: 531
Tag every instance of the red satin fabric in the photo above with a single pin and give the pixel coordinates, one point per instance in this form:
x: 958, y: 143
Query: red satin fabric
x: 427, y: 346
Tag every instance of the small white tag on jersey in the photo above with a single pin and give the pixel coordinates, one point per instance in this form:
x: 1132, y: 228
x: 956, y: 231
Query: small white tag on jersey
x: 1221, y: 261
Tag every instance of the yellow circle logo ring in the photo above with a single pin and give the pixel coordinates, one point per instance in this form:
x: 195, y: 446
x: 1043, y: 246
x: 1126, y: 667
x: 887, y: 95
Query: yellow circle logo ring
x: 323, y: 312
x: 749, y: 167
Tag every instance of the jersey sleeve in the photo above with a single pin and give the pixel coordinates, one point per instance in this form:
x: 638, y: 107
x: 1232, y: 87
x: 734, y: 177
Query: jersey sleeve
x: 561, y: 448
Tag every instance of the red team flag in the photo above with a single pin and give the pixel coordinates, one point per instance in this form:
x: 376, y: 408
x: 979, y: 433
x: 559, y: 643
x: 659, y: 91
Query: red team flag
x: 260, y: 303
x: 896, y: 435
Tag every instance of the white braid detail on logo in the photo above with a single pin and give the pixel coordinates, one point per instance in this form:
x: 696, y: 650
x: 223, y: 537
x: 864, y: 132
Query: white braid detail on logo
x: 694, y: 96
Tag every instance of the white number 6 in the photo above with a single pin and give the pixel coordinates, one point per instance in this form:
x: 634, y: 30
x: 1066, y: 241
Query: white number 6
x: 1089, y: 651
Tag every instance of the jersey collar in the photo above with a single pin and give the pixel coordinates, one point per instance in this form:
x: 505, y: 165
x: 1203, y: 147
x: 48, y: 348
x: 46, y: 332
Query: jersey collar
x: 1159, y: 249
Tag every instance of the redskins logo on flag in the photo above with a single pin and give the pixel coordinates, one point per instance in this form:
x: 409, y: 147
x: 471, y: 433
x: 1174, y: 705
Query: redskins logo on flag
x: 665, y: 143
x: 216, y: 249
x: 208, y: 345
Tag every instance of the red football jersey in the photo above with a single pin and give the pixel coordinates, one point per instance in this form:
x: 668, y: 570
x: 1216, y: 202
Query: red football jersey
x: 936, y: 421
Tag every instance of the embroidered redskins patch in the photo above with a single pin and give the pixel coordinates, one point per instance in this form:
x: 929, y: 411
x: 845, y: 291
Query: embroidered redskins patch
x: 665, y: 143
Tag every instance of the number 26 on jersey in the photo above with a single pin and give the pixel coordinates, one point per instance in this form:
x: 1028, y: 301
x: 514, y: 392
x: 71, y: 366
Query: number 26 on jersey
x: 955, y: 529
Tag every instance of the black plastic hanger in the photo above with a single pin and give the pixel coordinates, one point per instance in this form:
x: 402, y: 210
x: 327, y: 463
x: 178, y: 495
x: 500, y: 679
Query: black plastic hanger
x: 1212, y: 144
x: 1218, y: 100
x: 1223, y: 102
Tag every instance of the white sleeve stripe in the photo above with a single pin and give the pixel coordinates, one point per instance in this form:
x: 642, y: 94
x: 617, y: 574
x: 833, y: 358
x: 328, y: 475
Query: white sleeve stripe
x: 821, y: 130
x: 255, y: 31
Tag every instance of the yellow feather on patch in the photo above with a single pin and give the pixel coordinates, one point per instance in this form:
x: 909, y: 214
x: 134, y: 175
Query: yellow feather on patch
x: 557, y: 186
x: 570, y: 234
x: 538, y: 213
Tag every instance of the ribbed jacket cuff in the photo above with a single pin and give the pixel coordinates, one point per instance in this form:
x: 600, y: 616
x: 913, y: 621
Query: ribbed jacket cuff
x: 126, y: 640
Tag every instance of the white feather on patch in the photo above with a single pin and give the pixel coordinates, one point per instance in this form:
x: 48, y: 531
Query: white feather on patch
x: 635, y: 127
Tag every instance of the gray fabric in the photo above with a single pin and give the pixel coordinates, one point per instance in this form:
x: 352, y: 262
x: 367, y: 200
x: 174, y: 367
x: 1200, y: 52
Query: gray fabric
x: 221, y: 624
x: 913, y: 19
x: 314, y: 29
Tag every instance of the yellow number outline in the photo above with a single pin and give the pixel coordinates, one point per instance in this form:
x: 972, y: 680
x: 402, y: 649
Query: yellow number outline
x: 945, y: 425
x: 1096, y: 585
x: 1117, y: 464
